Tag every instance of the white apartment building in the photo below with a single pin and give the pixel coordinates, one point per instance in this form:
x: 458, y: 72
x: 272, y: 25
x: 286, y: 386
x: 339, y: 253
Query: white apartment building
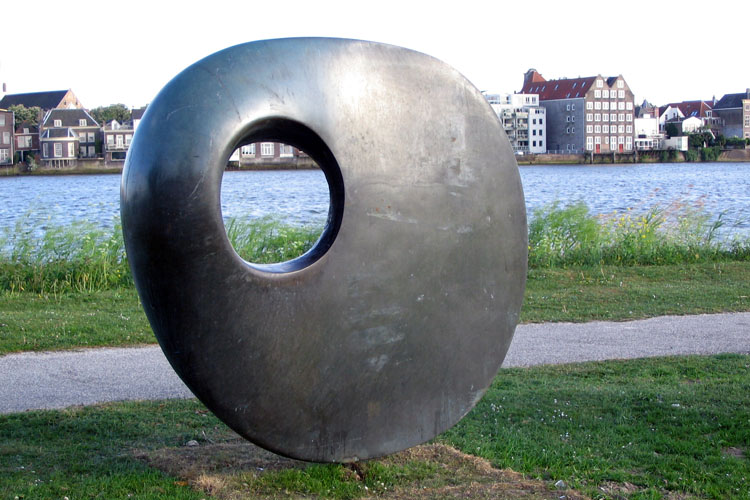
x: 524, y: 121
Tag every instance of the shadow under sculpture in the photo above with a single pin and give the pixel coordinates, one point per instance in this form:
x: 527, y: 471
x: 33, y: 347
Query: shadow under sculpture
x: 393, y: 326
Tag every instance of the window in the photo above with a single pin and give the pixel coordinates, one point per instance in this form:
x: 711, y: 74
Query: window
x: 613, y: 141
x: 589, y: 143
x: 4, y: 155
x: 621, y: 117
x: 598, y: 129
x: 45, y: 150
x: 572, y: 130
x: 589, y: 117
x: 621, y: 106
x: 573, y: 118
x: 285, y: 150
x: 2, y: 121
x: 58, y: 150
x: 597, y: 94
x: 567, y: 107
x: 620, y: 129
x: 629, y: 106
x: 20, y: 141
x: 573, y: 107
x: 71, y: 149
x: 82, y: 136
x: 605, y: 94
x: 58, y: 123
x: 599, y: 83
x: 25, y: 130
x: 598, y: 105
x: 541, y: 121
x: 6, y: 137
x: 628, y: 143
x: 92, y: 151
x: 620, y: 84
x: 620, y: 94
x: 533, y: 132
x: 589, y: 129
x: 589, y: 105
x: 606, y: 140
x: 266, y: 149
x: 92, y: 137
x: 613, y: 117
x: 110, y: 140
x: 598, y: 140
x: 128, y: 138
x: 82, y: 122
x: 630, y: 117
x: 248, y: 150
x: 620, y: 140
x: 567, y: 119
x: 605, y: 105
x: 629, y: 129
x: 567, y: 130
x: 597, y: 117
x: 534, y: 121
x: 119, y: 141
x: 605, y: 129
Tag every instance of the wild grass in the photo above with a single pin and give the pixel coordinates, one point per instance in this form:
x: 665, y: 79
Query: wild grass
x: 679, y: 233
x: 83, y: 258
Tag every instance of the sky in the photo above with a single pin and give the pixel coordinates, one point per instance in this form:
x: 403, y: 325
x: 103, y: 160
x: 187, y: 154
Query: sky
x: 125, y: 52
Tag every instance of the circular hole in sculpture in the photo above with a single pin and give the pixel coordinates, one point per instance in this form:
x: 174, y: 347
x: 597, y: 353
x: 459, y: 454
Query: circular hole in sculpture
x: 281, y: 196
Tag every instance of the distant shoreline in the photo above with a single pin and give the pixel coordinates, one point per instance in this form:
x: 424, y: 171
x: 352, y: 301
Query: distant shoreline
x: 727, y: 156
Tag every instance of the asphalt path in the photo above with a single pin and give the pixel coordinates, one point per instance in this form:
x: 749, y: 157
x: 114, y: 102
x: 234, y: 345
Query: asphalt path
x: 49, y: 380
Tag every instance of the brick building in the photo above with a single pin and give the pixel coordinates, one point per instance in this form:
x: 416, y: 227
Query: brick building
x: 733, y: 113
x: 591, y: 114
x: 6, y: 137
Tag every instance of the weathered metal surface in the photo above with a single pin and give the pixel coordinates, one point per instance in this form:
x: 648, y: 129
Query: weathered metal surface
x: 392, y: 328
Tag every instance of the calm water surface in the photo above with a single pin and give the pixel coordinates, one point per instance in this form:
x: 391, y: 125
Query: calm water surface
x: 301, y: 197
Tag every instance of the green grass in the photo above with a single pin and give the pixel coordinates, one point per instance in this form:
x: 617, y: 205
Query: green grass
x: 676, y: 424
x: 36, y: 322
x: 678, y: 233
x: 623, y: 429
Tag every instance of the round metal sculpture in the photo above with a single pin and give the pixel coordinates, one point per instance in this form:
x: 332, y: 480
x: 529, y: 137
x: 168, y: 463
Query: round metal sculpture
x: 391, y: 328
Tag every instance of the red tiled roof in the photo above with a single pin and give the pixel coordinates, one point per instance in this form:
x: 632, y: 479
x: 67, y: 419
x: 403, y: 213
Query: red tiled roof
x: 567, y: 88
x: 691, y: 108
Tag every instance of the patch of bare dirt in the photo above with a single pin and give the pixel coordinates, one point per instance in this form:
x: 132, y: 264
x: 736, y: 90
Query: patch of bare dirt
x: 219, y: 469
x: 734, y: 452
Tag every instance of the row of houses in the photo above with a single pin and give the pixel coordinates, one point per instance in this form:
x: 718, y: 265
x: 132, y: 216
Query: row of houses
x: 594, y: 114
x: 67, y: 135
x: 598, y: 114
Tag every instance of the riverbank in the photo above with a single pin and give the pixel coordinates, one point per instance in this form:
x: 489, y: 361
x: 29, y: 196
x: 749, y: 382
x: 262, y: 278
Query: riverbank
x: 729, y: 155
x: 671, y: 156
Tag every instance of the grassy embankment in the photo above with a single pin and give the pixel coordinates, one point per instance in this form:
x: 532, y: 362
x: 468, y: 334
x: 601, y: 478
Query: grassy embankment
x: 72, y: 287
x: 656, y: 428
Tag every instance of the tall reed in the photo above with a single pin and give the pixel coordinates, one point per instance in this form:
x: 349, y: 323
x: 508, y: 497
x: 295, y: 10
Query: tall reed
x: 676, y: 234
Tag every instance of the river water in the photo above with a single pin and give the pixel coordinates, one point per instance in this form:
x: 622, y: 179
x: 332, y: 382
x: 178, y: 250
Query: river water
x: 301, y: 196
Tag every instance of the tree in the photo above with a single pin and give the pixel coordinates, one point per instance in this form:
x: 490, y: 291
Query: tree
x: 104, y: 114
x: 23, y: 114
x: 672, y: 130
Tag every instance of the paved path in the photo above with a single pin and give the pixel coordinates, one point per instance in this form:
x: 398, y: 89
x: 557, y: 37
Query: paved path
x: 60, y: 379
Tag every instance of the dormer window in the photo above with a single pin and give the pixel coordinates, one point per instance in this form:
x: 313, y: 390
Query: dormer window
x: 58, y: 123
x: 82, y: 122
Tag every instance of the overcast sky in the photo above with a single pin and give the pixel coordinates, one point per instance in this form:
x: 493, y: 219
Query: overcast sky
x: 124, y: 52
